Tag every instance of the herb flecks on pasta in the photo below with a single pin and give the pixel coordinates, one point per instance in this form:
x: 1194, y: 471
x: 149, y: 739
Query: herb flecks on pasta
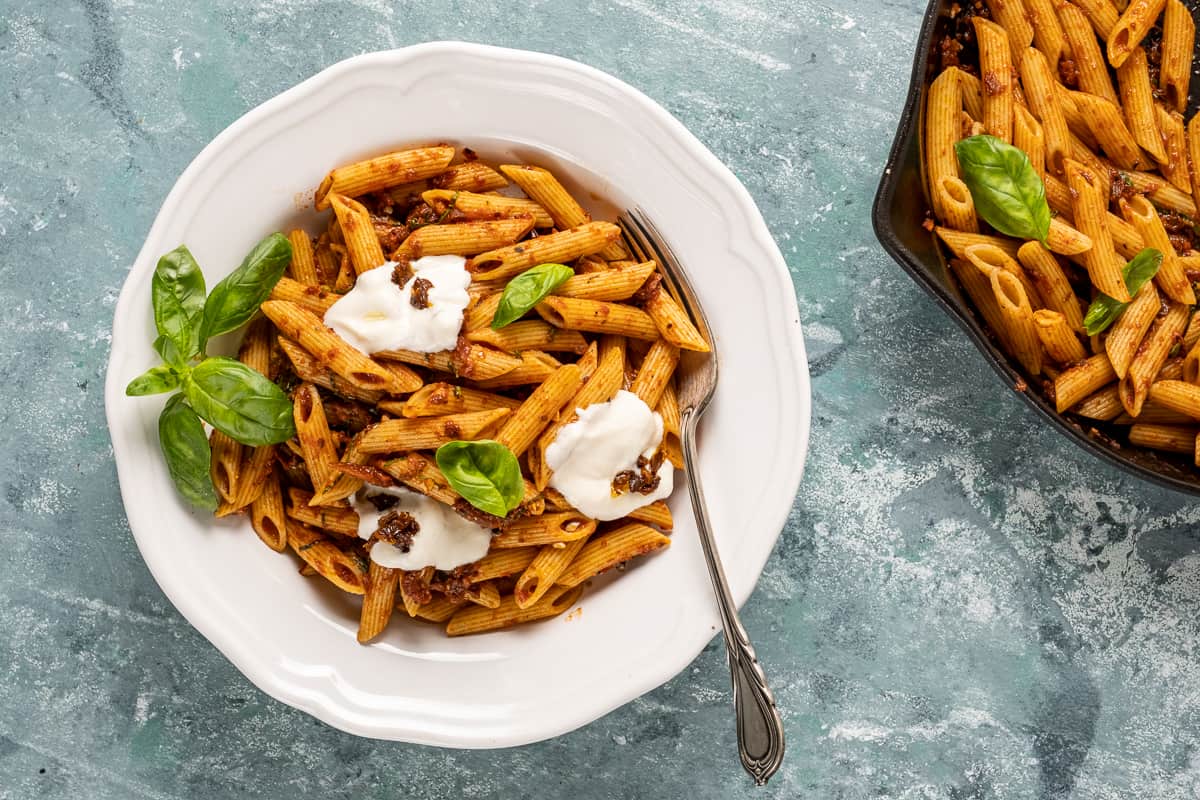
x: 390, y: 411
x: 1063, y: 183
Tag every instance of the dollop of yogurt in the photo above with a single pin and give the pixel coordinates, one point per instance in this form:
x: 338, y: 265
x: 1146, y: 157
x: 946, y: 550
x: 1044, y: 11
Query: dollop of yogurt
x: 606, y: 439
x: 445, y: 540
x: 379, y: 315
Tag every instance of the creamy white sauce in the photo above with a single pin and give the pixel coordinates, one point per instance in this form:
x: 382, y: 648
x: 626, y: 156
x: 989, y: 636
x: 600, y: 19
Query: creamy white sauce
x: 378, y: 315
x: 445, y: 539
x: 607, y: 439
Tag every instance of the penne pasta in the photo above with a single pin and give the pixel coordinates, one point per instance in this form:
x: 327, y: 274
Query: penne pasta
x: 1178, y: 45
x: 310, y: 297
x: 597, y: 316
x: 462, y: 238
x: 604, y: 551
x: 539, y: 577
x: 1175, y: 166
x: 1163, y: 335
x: 672, y: 322
x: 655, y: 372
x: 378, y: 601
x: 303, y: 266
x: 541, y: 185
x: 609, y: 284
x: 310, y: 332
x: 1137, y: 99
x: 342, y: 569
x: 1089, y: 208
x: 362, y: 245
x: 1171, y: 438
x: 995, y: 65
x: 1048, y: 35
x: 428, y: 433
x: 266, y: 514
x: 1171, y: 277
x: 1089, y: 61
x: 1178, y: 396
x: 530, y: 335
x: 382, y: 172
x: 1057, y: 337
x: 559, y: 248
x: 486, y: 206
x: 525, y: 424
x: 1131, y: 28
x: 476, y: 619
x: 1126, y: 333
x: 471, y: 176
x: 1074, y: 384
x: 951, y: 199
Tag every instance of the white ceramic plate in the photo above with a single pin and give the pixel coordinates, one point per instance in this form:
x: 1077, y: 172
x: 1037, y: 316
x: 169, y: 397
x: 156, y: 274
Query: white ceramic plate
x: 294, y: 637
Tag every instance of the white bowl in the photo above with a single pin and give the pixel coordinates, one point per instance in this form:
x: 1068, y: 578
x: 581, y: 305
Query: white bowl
x: 294, y: 637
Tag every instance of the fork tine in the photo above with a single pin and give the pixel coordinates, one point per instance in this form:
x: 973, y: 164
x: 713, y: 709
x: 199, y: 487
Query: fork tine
x: 638, y: 228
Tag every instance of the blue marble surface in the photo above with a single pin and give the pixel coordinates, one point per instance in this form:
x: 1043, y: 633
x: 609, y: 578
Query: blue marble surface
x: 962, y: 605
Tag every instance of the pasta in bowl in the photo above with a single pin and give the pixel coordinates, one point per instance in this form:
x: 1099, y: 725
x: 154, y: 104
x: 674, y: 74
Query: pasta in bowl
x: 477, y: 428
x: 610, y: 148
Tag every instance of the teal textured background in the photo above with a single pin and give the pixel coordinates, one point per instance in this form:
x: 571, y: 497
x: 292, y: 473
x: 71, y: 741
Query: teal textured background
x: 962, y: 605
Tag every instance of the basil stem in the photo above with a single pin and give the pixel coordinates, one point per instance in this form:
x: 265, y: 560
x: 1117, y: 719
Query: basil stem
x: 527, y: 290
x: 236, y: 299
x: 185, y: 447
x: 485, y: 473
x: 177, y: 294
x: 240, y: 402
x: 1004, y: 186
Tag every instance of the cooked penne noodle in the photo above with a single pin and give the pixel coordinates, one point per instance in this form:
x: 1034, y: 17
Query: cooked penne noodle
x: 987, y: 257
x: 1048, y: 35
x: 266, y: 514
x: 339, y: 519
x: 486, y: 206
x: 1154, y: 414
x: 441, y: 399
x: 307, y: 330
x: 303, y: 266
x: 1089, y: 208
x: 1178, y: 45
x: 1171, y: 438
x: 1074, y: 384
x: 340, y: 485
x: 502, y: 563
x: 1051, y: 284
x: 1175, y: 167
x: 562, y: 526
x: 1104, y: 405
x: 312, y: 429
x: 379, y: 600
x: 439, y: 609
x: 539, y: 577
x: 530, y: 334
x: 477, y: 619
x: 484, y: 594
x: 558, y: 248
x: 1137, y: 99
x: 362, y: 245
x: 1178, y: 396
x: 224, y: 464
x: 597, y: 316
x: 1017, y: 319
x: 1102, y: 14
x: 1064, y: 239
x: 473, y: 361
x: 1028, y: 138
x: 657, y: 514
x: 414, y: 589
x: 951, y: 199
x: 525, y: 424
x: 1089, y: 61
x: 1082, y: 140
x: 959, y: 241
x: 382, y: 172
x: 340, y: 568
x: 462, y: 238
x: 978, y: 286
x: 428, y: 433
x: 541, y: 185
x: 307, y: 368
x: 312, y: 297
x: 1059, y: 341
x: 1044, y: 102
x: 604, y: 551
x: 1010, y: 15
x: 1191, y: 364
x: 655, y: 372
x: 417, y: 471
x: 1171, y: 277
x: 481, y: 312
x: 672, y: 322
x: 535, y: 367
x: 1108, y: 126
x: 1131, y: 28
x: 471, y: 176
x: 995, y: 65
x: 972, y: 94
x: 1163, y: 335
x: 668, y: 409
x: 615, y: 283
x: 1126, y: 333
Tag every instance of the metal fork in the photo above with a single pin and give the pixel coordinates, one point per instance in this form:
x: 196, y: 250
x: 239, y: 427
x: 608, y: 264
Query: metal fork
x: 759, y: 727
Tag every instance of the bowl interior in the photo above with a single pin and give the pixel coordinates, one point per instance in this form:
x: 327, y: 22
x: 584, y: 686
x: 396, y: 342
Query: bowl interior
x: 899, y: 214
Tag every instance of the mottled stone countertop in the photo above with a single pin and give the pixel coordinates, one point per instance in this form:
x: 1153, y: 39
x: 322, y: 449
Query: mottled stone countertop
x: 963, y: 605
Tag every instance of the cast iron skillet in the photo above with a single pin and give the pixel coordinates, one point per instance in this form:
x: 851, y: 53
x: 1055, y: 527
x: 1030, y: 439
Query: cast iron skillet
x: 898, y: 214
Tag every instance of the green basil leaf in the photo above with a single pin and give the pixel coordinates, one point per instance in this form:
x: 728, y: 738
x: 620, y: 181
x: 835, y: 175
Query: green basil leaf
x: 234, y: 300
x: 1006, y: 190
x: 1105, y: 310
x: 240, y: 402
x: 527, y: 290
x: 155, y: 380
x: 485, y: 473
x: 185, y: 446
x: 169, y: 353
x: 177, y: 294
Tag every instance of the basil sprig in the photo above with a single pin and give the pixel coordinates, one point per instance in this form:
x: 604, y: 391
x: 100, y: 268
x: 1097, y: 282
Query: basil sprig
x: 1104, y: 310
x: 185, y: 446
x: 1006, y: 190
x: 527, y: 290
x: 485, y: 473
x: 225, y: 393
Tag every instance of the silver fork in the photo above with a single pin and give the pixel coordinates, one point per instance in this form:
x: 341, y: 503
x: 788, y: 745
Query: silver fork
x: 759, y: 727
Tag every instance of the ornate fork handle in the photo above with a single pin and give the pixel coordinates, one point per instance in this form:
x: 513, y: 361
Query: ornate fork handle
x: 759, y: 727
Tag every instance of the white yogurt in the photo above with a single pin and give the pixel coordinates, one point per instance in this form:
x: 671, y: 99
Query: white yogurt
x: 378, y: 315
x: 445, y: 540
x: 607, y: 439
